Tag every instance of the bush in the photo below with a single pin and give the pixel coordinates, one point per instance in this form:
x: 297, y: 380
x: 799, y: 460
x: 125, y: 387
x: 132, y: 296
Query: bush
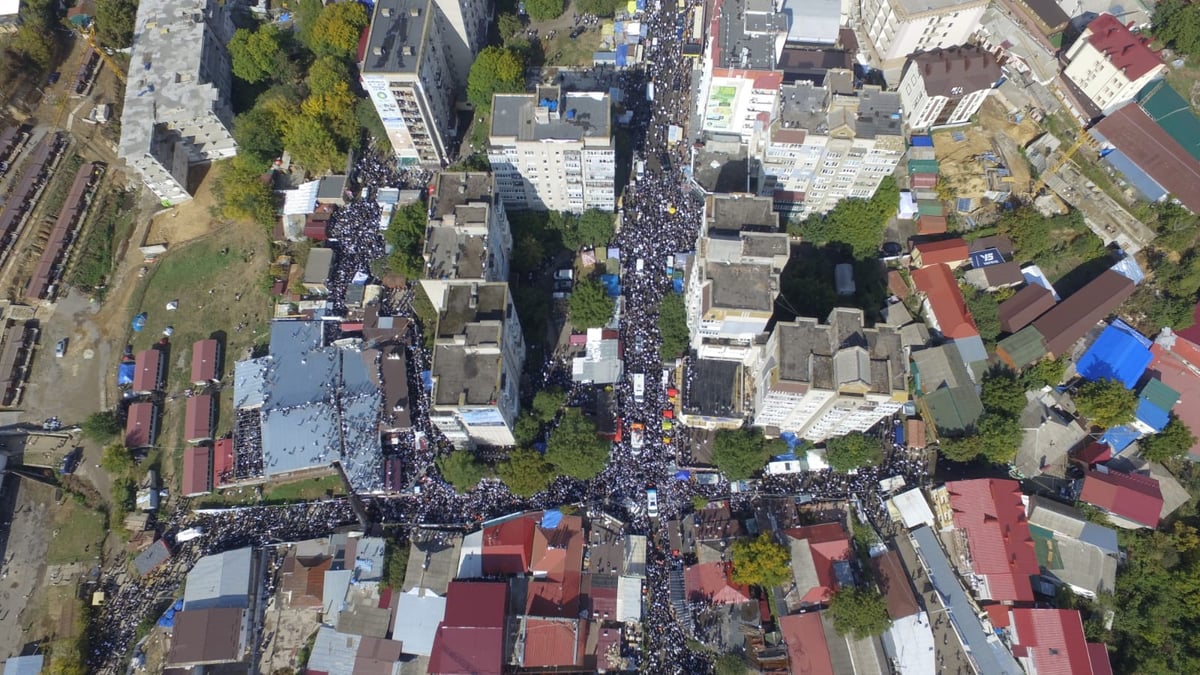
x: 852, y: 451
x: 544, y: 10
x: 101, y: 426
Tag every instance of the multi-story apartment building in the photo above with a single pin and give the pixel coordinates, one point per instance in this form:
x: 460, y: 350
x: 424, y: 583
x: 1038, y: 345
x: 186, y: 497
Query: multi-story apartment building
x: 945, y: 87
x: 554, y: 150
x: 1110, y: 64
x: 825, y: 147
x: 414, y: 68
x: 734, y: 277
x: 823, y: 380
x: 478, y: 354
x: 896, y: 28
x: 741, y: 102
x: 177, y: 112
x: 468, y: 238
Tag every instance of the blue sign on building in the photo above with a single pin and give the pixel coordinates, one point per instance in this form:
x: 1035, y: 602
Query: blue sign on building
x: 988, y: 256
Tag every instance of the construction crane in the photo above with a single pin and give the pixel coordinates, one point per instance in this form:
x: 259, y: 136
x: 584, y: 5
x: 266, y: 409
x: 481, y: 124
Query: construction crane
x: 90, y: 36
x: 1066, y: 156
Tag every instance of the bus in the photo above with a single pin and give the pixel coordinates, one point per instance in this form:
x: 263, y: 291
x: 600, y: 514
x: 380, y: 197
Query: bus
x: 639, y: 387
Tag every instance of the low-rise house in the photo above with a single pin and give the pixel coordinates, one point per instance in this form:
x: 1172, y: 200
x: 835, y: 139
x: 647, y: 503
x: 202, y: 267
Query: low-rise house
x: 1000, y: 552
x: 317, y: 271
x: 1073, y: 551
x: 141, y: 425
x: 821, y: 563
x: 1023, y: 307
x: 945, y: 393
x: 1052, y: 640
x: 944, y: 306
x: 713, y: 583
x: 1131, y: 501
x: 471, y: 637
x: 206, y: 362
x: 205, y: 637
x: 945, y: 87
x: 950, y: 252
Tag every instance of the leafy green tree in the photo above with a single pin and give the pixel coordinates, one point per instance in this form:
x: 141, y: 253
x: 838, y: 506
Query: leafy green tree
x: 760, y: 561
x: 573, y: 447
x: 599, y: 7
x: 1105, y: 403
x: 241, y: 193
x: 853, y: 450
x: 592, y: 228
x: 462, y: 469
x: 254, y: 54
x: 1177, y: 24
x: 985, y: 310
x: 1003, y: 393
x: 395, y: 565
x: 858, y: 223
x: 101, y: 426
x: 258, y: 135
x: 496, y: 70
x: 335, y: 110
x: 525, y: 472
x: 337, y: 30
x: 547, y: 403
x: 532, y: 253
x: 406, y: 234
x: 699, y: 503
x: 544, y: 10
x: 116, y: 459
x: 672, y: 326
x: 1045, y: 372
x: 996, y: 439
x: 114, y: 22
x: 508, y: 25
x: 526, y: 429
x: 730, y: 663
x: 739, y: 453
x: 325, y: 73
x: 32, y: 44
x: 1173, y: 441
x: 859, y: 612
x: 312, y: 144
x: 307, y: 13
x: 590, y: 306
x: 368, y: 118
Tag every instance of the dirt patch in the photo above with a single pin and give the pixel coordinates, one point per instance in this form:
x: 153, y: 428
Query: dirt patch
x: 994, y: 141
x: 192, y: 219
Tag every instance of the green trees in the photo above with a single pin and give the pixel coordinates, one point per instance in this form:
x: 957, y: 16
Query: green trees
x: 1177, y: 23
x: 101, y: 426
x: 598, y: 7
x: 495, y: 71
x: 853, y: 450
x: 985, y: 310
x: 1045, y: 372
x: 739, y: 453
x: 590, y: 306
x: 337, y: 29
x: 591, y: 228
x: 114, y: 22
x: 508, y: 25
x: 395, y: 565
x: 241, y: 193
x: 312, y: 144
x: 760, y: 562
x: 461, y: 469
x: 544, y: 10
x: 254, y: 54
x: 1173, y: 441
x: 525, y: 472
x: 35, y: 39
x: 116, y: 459
x: 257, y: 135
x: 1105, y: 403
x: 406, y: 234
x: 573, y: 447
x: 547, y: 403
x: 997, y: 435
x: 672, y: 326
x: 1003, y: 393
x: 859, y: 612
x: 858, y: 223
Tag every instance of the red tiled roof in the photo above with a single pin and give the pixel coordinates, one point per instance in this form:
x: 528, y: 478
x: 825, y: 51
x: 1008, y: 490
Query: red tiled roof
x: 998, y: 615
x: 139, y: 425
x: 556, y: 559
x: 991, y: 513
x: 1095, y: 453
x: 554, y: 643
x: 894, y: 583
x: 1129, y: 53
x: 946, y: 299
x: 1152, y: 149
x: 945, y: 251
x: 222, y: 462
x: 197, y: 475
x: 712, y: 582
x: 470, y: 638
x: 198, y: 419
x: 204, y: 361
x: 1130, y: 496
x: 808, y: 652
x: 508, y: 546
x: 147, y: 369
x: 827, y: 543
x: 1179, y: 369
x: 1053, y: 640
x: 915, y: 436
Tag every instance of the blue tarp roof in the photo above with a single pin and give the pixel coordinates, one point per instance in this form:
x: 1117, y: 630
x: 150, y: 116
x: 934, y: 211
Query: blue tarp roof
x: 641, y: 5
x: 612, y: 284
x: 139, y: 322
x: 921, y: 141
x: 1151, y: 415
x: 1120, y: 437
x: 787, y: 457
x: 678, y: 283
x: 1120, y: 353
x: 125, y: 373
x: 683, y: 475
x: 622, y: 55
x: 551, y: 518
x: 427, y: 379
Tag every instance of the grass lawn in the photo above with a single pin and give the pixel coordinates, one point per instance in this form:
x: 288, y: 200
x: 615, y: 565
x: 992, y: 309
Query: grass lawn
x: 1185, y: 80
x: 563, y: 51
x: 75, y: 528
x: 303, y: 490
x: 218, y: 282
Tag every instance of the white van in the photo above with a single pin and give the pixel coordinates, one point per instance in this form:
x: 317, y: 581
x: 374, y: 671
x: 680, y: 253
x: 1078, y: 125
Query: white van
x: 652, y: 501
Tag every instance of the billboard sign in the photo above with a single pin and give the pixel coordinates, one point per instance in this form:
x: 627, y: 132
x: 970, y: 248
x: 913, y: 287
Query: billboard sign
x: 986, y: 257
x: 390, y: 114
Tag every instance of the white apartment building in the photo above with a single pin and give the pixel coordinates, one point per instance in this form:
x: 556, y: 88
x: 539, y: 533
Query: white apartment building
x: 414, y: 69
x: 824, y: 380
x: 1109, y: 64
x: 468, y: 237
x: 896, y: 28
x: 825, y: 147
x: 478, y: 355
x: 177, y: 112
x: 733, y: 279
x: 945, y: 87
x: 741, y: 102
x: 554, y: 151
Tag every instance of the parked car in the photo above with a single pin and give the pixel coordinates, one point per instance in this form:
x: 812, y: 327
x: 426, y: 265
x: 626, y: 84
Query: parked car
x: 70, y: 461
x: 565, y: 274
x: 60, y: 349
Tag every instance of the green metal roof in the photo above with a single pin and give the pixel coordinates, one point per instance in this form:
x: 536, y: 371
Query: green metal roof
x: 928, y: 207
x: 1159, y: 395
x: 1171, y: 111
x: 955, y: 410
x: 922, y: 166
x: 1024, y: 348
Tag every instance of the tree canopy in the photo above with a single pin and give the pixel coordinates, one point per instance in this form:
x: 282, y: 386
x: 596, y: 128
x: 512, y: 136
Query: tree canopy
x: 672, y: 326
x: 337, y: 29
x: 858, y: 223
x: 114, y: 22
x: 312, y: 143
x: 257, y: 134
x: 859, y: 612
x: 760, y: 562
x: 996, y: 438
x: 254, y: 54
x: 1003, y: 393
x: 495, y: 71
x: 853, y: 450
x: 525, y: 472
x: 461, y: 469
x: 1173, y: 441
x: 591, y: 228
x: 985, y: 310
x: 590, y: 306
x: 242, y: 194
x: 573, y: 447
x: 101, y: 426
x: 547, y: 403
x: 526, y: 429
x: 739, y: 453
x: 1045, y: 372
x: 406, y: 234
x: 544, y: 10
x: 598, y: 7
x: 1177, y: 23
x: 1105, y: 403
x: 116, y: 459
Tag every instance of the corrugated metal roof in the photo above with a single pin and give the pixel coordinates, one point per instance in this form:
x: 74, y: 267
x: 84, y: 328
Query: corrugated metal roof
x: 1171, y: 111
x: 1023, y: 307
x: 1053, y: 639
x: 221, y: 580
x: 1130, y: 496
x: 198, y: 418
x: 1023, y: 348
x: 808, y: 652
x: 197, y: 475
x: 992, y: 515
x: 1154, y: 151
x: 204, y: 360
x: 946, y: 299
